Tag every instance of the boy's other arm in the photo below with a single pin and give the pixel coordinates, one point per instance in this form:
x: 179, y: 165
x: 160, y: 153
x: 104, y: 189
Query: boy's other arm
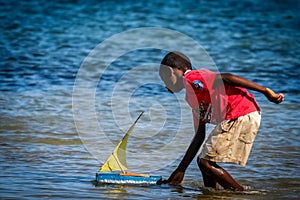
x: 177, y: 176
x: 242, y: 82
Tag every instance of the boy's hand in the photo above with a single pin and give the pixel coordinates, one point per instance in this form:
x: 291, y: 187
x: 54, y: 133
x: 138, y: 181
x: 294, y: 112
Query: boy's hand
x: 273, y: 97
x: 175, y: 178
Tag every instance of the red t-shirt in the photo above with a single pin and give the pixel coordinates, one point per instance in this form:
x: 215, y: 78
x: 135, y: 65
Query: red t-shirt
x: 213, y: 105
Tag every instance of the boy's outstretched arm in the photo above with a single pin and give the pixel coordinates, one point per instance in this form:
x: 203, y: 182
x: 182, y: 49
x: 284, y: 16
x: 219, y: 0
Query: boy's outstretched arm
x: 178, y: 175
x: 242, y: 82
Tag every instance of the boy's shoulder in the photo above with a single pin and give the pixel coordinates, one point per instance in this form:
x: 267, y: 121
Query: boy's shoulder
x: 203, y: 75
x: 201, y: 72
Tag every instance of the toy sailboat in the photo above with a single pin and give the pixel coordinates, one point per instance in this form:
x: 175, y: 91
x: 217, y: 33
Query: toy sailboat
x: 117, y: 163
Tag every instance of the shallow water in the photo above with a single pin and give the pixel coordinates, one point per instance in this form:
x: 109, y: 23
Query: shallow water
x: 43, y: 47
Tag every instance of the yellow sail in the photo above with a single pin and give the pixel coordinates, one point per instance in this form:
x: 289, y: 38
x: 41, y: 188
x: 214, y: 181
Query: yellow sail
x: 117, y: 160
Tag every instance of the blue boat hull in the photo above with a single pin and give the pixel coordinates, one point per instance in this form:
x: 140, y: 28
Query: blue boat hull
x: 118, y: 179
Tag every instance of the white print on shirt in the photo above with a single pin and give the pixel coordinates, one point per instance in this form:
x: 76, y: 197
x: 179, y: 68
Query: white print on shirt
x: 203, y: 112
x: 198, y: 84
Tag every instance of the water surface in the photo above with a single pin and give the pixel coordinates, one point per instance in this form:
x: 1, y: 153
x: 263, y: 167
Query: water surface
x: 43, y: 45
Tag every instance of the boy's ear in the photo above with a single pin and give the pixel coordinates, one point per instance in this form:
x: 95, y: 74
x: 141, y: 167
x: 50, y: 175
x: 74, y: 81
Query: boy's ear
x: 187, y: 68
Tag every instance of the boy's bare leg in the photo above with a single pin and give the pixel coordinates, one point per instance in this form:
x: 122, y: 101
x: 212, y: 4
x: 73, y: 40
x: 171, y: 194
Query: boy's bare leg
x: 209, y: 180
x: 217, y: 175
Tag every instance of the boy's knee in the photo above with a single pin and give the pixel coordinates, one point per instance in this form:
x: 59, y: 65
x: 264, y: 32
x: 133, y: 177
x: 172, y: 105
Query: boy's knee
x: 202, y: 163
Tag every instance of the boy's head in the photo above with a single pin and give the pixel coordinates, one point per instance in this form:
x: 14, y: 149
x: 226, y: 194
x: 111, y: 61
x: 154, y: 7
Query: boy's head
x: 172, y: 68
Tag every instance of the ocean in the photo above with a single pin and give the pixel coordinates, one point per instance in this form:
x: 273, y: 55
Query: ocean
x: 74, y: 75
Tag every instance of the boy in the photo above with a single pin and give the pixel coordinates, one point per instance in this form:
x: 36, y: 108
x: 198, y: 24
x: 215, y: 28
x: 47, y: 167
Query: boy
x: 222, y: 99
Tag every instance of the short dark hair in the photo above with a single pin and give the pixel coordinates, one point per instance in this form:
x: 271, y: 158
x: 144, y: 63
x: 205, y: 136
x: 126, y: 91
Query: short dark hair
x: 176, y: 59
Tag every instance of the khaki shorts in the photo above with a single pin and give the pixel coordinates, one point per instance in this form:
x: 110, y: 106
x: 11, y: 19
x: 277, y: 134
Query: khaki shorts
x: 232, y: 140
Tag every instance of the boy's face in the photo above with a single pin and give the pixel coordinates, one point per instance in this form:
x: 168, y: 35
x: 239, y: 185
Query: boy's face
x: 173, y: 78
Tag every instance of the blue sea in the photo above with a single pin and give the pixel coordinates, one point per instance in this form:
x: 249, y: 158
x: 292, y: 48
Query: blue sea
x: 74, y: 75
